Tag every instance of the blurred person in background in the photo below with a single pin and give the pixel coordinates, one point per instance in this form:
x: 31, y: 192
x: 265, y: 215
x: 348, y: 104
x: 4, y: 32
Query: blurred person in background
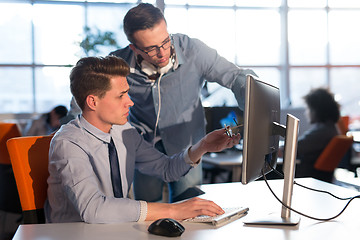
x: 46, y: 123
x: 323, y: 113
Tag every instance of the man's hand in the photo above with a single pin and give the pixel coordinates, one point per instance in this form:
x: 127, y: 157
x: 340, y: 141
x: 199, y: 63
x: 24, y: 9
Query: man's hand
x: 214, y: 141
x: 218, y: 140
x: 183, y: 210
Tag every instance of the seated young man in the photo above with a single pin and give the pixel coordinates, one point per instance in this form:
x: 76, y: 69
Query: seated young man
x: 84, y: 184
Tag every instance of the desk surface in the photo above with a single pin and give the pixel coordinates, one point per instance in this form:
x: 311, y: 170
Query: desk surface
x: 254, y: 195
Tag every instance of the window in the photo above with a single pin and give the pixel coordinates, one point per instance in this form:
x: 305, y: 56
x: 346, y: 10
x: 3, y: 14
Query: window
x: 293, y: 44
x: 39, y: 45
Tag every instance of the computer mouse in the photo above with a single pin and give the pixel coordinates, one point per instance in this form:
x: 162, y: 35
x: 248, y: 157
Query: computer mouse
x: 166, y: 227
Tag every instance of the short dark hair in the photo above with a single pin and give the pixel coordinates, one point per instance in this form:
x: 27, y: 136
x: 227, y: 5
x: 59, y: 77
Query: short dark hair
x: 61, y: 111
x: 322, y: 106
x: 143, y: 16
x: 91, y: 75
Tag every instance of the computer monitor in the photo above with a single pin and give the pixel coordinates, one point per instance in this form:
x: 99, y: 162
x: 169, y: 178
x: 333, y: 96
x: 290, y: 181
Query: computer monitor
x: 261, y: 143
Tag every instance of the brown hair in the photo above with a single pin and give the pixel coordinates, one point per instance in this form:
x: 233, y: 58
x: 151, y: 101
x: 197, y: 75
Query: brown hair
x: 91, y: 75
x: 143, y: 16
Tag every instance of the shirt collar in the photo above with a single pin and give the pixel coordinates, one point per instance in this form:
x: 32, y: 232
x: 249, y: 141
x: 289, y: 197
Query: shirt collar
x: 179, y: 55
x: 105, y: 137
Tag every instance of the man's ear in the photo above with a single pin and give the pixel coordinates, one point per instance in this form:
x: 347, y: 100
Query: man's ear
x: 91, y: 101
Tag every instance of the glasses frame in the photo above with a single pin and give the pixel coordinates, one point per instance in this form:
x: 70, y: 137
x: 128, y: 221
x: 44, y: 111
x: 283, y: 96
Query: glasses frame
x: 156, y: 49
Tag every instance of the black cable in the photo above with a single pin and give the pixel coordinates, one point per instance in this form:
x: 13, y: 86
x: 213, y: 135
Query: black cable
x: 303, y: 214
x: 309, y: 188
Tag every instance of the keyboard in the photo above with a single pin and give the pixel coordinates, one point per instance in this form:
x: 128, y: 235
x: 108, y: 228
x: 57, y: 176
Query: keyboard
x: 229, y: 215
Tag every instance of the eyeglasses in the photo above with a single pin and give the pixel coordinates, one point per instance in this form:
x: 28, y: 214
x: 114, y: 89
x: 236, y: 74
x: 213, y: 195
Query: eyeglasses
x: 153, y: 50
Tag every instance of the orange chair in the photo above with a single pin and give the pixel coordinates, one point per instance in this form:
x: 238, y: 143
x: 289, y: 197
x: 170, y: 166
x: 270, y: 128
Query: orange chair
x: 331, y: 156
x: 343, y: 124
x: 9, y: 197
x: 7, y: 131
x: 29, y: 159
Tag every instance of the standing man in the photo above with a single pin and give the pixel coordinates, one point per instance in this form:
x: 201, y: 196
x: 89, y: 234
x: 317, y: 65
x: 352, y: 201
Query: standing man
x: 92, y: 158
x: 167, y: 73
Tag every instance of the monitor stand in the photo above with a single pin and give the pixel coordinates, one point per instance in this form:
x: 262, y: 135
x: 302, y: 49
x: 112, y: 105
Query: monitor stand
x: 274, y: 219
x: 291, y: 137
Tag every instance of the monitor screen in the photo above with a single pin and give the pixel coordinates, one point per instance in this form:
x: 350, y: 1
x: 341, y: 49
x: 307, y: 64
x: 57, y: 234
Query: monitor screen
x: 260, y: 143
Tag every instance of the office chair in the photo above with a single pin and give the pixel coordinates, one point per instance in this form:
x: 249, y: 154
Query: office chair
x: 343, y: 124
x: 29, y: 158
x: 9, y: 197
x: 331, y: 156
x: 7, y: 131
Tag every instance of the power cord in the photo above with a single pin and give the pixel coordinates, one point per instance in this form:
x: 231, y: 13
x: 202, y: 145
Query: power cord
x: 303, y: 214
x: 309, y: 188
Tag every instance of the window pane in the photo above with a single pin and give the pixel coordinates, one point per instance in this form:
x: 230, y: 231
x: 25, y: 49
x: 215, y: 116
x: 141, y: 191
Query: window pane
x: 15, y: 28
x: 55, y: 34
x: 243, y: 3
x: 202, y: 2
x: 257, y: 37
x: 268, y: 75
x: 302, y: 80
x: 258, y: 3
x: 16, y: 94
x: 345, y: 85
x: 52, y: 88
x: 307, y: 3
x: 218, y: 32
x: 172, y: 18
x: 307, y: 37
x: 119, y: 1
x: 111, y: 20
x: 344, y: 3
x: 153, y: 2
x: 344, y: 39
x: 219, y: 96
x: 180, y: 2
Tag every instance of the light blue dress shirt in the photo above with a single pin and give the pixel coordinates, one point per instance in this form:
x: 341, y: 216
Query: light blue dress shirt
x: 80, y: 186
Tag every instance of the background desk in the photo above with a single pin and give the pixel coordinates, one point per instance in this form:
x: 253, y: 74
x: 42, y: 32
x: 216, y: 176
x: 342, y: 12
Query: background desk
x: 254, y: 195
x: 230, y: 160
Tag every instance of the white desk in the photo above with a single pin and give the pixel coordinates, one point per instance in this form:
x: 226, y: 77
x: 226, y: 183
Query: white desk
x: 254, y: 195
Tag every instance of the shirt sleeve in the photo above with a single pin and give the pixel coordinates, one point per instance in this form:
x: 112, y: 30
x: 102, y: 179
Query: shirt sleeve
x: 218, y: 69
x: 143, y: 211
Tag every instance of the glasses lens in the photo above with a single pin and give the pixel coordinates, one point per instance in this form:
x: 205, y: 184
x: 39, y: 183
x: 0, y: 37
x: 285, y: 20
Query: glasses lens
x: 152, y: 52
x: 155, y: 50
